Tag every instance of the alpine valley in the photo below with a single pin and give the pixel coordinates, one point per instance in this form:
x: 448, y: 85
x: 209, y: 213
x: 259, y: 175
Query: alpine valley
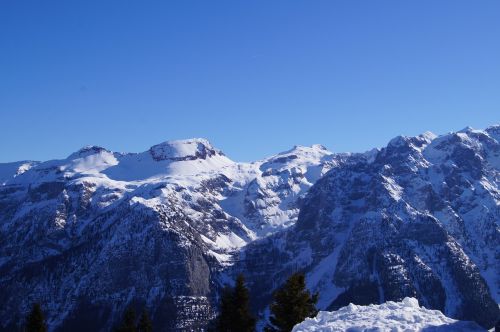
x: 165, y: 229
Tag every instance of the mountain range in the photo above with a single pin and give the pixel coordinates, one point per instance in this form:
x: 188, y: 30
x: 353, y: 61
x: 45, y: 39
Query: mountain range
x: 165, y: 229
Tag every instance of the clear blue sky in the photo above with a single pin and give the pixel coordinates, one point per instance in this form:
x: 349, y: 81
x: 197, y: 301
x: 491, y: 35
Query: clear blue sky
x: 254, y: 77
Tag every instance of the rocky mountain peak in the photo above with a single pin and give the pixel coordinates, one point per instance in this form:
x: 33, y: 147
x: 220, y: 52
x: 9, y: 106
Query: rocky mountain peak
x: 86, y: 151
x: 303, y: 148
x: 494, y: 132
x: 412, y: 142
x: 188, y: 149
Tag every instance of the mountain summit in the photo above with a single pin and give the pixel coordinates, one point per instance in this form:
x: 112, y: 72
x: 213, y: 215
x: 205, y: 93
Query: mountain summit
x: 189, y: 149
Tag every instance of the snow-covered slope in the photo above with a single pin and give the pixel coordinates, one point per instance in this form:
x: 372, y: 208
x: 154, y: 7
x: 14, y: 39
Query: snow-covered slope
x: 404, y: 316
x: 11, y: 170
x: 419, y: 218
x: 106, y: 229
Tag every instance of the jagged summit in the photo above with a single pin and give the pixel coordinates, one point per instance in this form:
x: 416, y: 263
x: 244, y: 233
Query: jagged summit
x: 465, y: 129
x: 306, y: 149
x: 428, y: 135
x: 187, y: 149
x: 86, y: 151
x: 494, y: 132
x: 299, y: 154
x: 413, y: 141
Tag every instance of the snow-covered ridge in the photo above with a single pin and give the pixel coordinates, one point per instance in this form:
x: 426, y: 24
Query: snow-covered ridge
x: 189, y: 149
x: 11, y: 170
x: 404, y: 316
x: 87, y: 151
x: 416, y: 218
x: 262, y: 196
x: 184, y: 201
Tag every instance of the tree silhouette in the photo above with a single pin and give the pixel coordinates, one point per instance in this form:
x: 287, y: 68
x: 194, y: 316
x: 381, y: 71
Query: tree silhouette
x: 292, y: 304
x: 145, y: 324
x: 35, y: 322
x: 128, y: 324
x: 234, y: 313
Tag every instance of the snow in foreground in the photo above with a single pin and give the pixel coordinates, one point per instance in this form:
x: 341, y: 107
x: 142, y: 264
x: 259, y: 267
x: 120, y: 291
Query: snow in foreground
x: 391, y: 316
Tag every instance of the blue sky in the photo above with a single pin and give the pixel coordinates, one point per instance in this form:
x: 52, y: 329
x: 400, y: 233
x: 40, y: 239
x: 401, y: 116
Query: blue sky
x: 253, y: 77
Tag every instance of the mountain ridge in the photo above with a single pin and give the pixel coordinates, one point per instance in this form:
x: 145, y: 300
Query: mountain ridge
x: 168, y: 226
x: 420, y: 219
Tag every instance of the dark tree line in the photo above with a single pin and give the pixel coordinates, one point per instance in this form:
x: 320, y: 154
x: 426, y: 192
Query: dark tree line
x: 292, y: 303
x: 130, y: 323
x: 35, y: 321
x: 235, y: 313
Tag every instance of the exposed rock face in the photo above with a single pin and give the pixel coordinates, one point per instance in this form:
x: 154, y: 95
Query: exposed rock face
x: 420, y: 219
x: 122, y: 255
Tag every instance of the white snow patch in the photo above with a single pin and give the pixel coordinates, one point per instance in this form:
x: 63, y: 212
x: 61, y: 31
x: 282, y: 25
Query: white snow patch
x: 229, y: 241
x: 405, y: 316
x: 395, y: 190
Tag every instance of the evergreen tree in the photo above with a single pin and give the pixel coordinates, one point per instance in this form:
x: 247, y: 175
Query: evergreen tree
x: 234, y: 313
x: 224, y: 319
x: 292, y: 304
x: 128, y: 324
x: 242, y: 318
x: 35, y: 321
x: 145, y: 324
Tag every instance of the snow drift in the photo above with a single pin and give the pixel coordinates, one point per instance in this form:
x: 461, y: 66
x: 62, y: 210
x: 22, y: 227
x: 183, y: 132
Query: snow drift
x: 406, y: 316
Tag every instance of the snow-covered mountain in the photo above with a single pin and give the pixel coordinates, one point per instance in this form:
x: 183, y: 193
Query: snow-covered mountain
x: 89, y: 235
x: 99, y: 230
x: 418, y: 218
x: 404, y: 316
